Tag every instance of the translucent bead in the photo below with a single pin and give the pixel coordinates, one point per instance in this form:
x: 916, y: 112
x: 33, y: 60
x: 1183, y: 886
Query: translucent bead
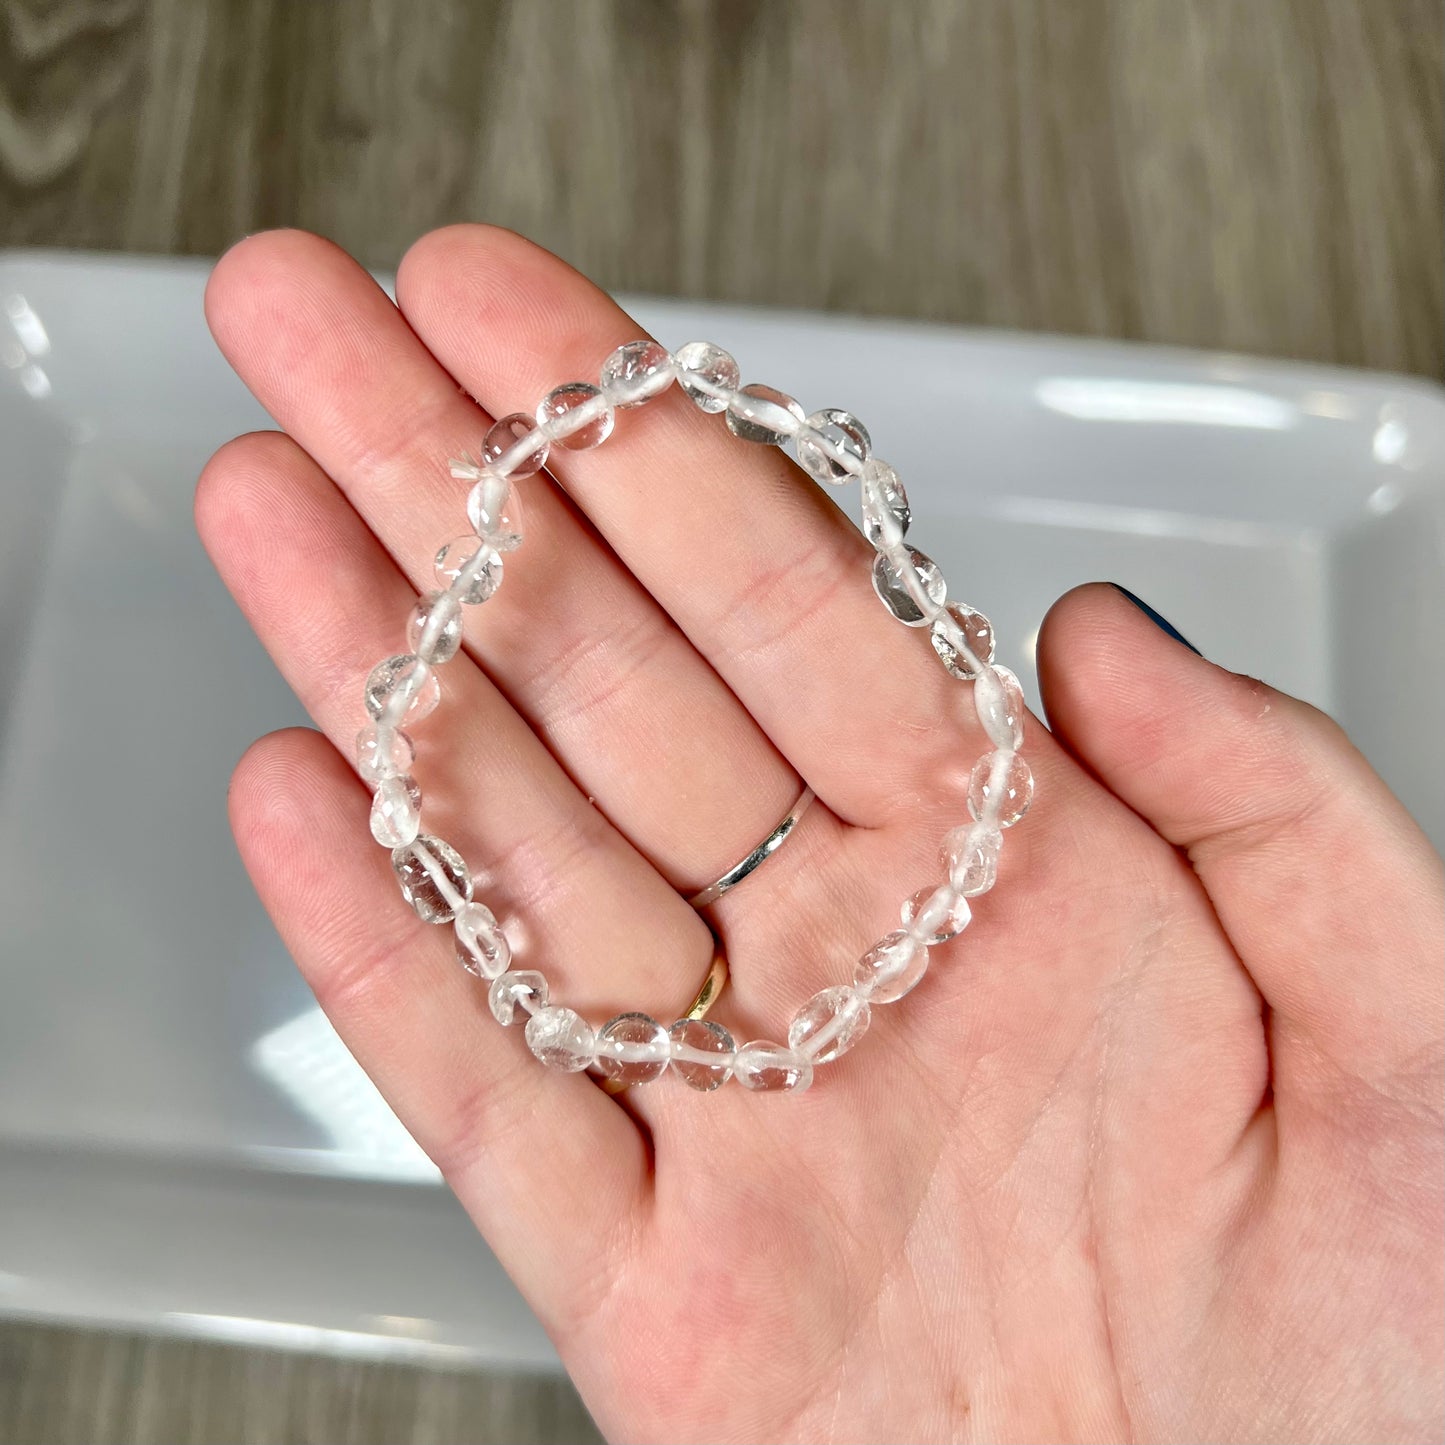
x: 886, y: 513
x: 971, y: 854
x: 842, y: 432
x: 959, y: 621
x: 400, y: 688
x: 998, y: 699
x: 829, y: 1024
x: 481, y: 564
x: 396, y: 811
x: 561, y: 1039
x: 576, y: 396
x: 890, y: 968
x: 772, y: 1068
x: 703, y: 370
x: 934, y: 915
x: 1000, y: 789
x: 525, y: 987
x: 489, y: 510
x: 893, y: 591
x: 637, y: 372
x: 633, y: 1049
x: 418, y: 885
x: 382, y: 752
x: 482, y: 947
x: 505, y: 435
x: 760, y: 413
x: 702, y: 1053
x: 434, y: 629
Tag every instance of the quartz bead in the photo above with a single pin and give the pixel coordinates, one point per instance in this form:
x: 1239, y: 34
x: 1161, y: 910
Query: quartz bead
x: 402, y: 687
x: 829, y: 1024
x: 561, y: 1039
x: 434, y: 629
x: 960, y: 621
x: 893, y: 590
x: 418, y: 886
x: 760, y: 413
x: 825, y: 435
x: 971, y: 854
x: 772, y: 1068
x: 504, y: 436
x: 490, y: 511
x: 934, y: 915
x: 396, y: 811
x: 886, y: 513
x: 561, y: 402
x: 633, y: 1049
x: 891, y: 968
x: 702, y: 1053
x: 1000, y: 788
x: 480, y: 563
x: 704, y: 371
x: 382, y: 752
x: 637, y: 372
x: 482, y: 947
x: 998, y: 699
x: 526, y: 988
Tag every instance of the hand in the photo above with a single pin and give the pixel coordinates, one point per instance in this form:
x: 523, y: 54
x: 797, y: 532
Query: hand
x: 1155, y: 1149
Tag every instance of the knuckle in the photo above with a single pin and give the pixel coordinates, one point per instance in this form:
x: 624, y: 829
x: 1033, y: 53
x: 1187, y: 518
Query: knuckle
x: 595, y: 671
x: 779, y: 600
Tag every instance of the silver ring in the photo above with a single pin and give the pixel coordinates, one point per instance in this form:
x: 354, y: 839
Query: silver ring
x: 759, y: 855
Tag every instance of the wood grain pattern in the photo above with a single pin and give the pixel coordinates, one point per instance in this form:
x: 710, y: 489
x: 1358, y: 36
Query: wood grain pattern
x: 60, y: 1386
x: 1256, y: 175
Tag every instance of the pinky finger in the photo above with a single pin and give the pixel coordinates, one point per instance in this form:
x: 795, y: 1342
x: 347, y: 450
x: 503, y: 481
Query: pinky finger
x: 552, y: 1172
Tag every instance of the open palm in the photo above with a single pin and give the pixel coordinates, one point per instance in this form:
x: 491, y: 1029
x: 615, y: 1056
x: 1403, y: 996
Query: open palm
x: 1155, y: 1147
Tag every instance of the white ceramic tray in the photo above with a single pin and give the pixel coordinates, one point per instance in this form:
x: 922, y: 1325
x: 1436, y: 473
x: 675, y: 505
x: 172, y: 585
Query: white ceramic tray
x: 183, y: 1142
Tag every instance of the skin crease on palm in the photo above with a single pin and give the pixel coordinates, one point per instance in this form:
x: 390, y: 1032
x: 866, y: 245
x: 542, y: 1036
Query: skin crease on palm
x: 1154, y: 1150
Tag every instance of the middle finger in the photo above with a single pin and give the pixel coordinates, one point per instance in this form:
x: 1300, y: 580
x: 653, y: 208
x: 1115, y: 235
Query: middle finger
x: 759, y: 568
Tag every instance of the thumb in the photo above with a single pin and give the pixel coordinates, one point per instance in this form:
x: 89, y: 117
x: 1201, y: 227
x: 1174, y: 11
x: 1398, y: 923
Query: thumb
x: 1329, y: 892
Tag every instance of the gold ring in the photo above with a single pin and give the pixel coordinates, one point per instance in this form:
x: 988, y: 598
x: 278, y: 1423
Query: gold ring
x: 712, y: 985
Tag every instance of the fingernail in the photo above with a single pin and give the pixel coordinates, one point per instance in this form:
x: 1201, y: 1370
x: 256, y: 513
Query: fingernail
x: 1162, y: 623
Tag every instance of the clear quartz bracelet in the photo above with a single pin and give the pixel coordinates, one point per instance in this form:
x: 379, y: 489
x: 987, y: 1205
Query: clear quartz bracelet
x: 832, y: 446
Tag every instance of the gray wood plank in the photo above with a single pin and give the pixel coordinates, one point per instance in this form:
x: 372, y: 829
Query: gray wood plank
x: 1256, y: 175
x: 61, y: 1385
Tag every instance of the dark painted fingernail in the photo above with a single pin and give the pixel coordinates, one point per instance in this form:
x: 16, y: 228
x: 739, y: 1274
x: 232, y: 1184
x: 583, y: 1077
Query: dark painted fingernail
x: 1162, y: 623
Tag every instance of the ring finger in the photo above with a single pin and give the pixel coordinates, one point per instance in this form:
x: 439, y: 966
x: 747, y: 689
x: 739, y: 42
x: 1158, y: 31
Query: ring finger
x: 571, y: 892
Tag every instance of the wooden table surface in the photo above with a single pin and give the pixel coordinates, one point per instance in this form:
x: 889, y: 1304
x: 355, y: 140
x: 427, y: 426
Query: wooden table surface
x: 1255, y: 175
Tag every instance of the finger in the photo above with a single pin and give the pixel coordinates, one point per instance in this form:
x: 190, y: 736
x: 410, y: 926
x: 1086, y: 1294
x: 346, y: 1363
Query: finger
x: 548, y: 1167
x: 754, y: 561
x: 574, y: 898
x: 598, y: 670
x: 1328, y: 890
